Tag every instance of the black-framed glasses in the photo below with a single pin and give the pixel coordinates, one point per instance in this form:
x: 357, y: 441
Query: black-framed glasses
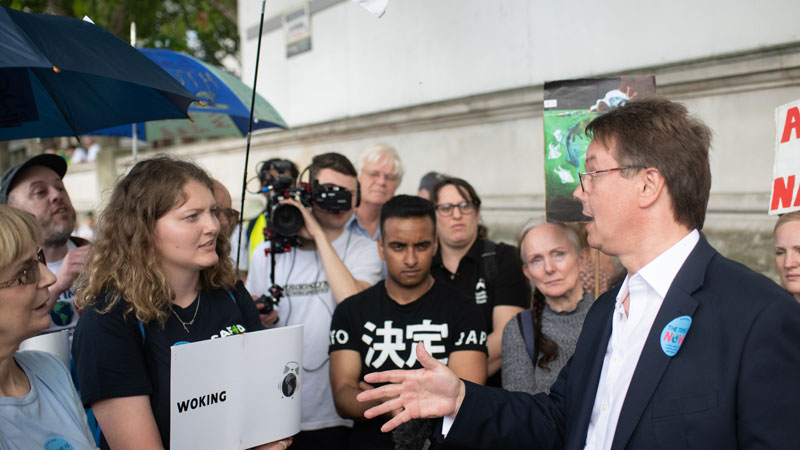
x: 464, y: 207
x: 590, y: 175
x: 29, y: 274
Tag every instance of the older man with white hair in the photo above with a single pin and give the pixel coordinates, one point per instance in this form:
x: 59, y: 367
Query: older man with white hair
x: 379, y: 174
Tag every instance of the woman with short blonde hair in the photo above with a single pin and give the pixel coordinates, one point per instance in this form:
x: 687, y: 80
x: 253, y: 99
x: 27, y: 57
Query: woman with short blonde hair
x: 39, y: 407
x: 786, y: 237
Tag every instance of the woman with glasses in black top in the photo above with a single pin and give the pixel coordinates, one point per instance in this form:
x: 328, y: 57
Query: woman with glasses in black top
x: 481, y: 269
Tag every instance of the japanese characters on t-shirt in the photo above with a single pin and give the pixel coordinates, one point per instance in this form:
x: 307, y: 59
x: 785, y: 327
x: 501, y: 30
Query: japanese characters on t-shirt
x: 385, y: 334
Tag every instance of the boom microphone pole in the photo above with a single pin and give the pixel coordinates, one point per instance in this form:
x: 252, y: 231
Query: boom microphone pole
x: 249, y: 135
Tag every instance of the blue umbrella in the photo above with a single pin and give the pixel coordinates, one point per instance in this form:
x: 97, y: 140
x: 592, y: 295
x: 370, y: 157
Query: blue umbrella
x: 225, y: 108
x: 61, y: 76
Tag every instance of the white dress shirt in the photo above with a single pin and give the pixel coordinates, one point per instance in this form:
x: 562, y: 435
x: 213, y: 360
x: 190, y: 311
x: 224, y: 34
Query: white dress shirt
x: 647, y: 289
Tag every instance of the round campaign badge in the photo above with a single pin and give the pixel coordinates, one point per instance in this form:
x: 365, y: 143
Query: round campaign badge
x: 57, y: 444
x: 674, y: 333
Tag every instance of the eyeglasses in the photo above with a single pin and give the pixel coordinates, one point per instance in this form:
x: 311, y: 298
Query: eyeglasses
x: 29, y: 273
x: 590, y: 175
x: 464, y: 207
x: 378, y: 173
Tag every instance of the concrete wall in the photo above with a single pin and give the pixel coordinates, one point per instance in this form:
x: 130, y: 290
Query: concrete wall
x: 425, y: 51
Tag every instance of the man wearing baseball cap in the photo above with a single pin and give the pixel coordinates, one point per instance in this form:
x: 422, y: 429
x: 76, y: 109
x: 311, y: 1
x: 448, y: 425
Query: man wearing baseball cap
x: 36, y: 186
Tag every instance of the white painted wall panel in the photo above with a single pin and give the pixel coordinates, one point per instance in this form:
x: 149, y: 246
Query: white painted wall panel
x: 424, y: 51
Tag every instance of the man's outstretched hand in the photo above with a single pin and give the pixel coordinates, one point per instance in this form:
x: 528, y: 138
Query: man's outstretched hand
x: 433, y: 391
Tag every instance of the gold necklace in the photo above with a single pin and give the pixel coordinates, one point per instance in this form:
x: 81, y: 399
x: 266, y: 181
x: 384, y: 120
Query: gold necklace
x: 189, y: 323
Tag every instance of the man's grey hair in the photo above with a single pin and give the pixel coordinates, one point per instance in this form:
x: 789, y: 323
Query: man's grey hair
x: 375, y: 152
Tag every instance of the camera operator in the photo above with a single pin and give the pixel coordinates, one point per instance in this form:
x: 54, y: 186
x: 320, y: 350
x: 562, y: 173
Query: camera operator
x: 329, y: 265
x: 253, y: 234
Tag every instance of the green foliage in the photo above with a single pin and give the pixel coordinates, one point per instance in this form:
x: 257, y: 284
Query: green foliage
x: 205, y: 29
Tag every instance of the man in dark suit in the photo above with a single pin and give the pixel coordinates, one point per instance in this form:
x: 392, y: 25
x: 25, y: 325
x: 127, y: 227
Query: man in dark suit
x: 692, y: 351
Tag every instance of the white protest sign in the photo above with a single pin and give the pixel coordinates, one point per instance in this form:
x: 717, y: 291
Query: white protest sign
x: 56, y: 343
x: 236, y: 392
x: 786, y: 172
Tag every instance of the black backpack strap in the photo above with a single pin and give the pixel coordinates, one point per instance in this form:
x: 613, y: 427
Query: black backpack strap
x: 525, y: 321
x: 489, y: 262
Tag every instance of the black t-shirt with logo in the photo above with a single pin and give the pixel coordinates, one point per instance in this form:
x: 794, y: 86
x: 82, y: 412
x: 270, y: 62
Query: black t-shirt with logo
x: 509, y: 286
x: 385, y: 334
x: 114, y: 359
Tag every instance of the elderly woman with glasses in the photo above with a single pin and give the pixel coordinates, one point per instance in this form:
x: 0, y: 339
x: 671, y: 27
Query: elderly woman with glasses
x: 39, y: 407
x: 488, y: 272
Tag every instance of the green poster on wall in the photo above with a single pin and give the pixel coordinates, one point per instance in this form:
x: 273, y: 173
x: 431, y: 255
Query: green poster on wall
x: 569, y: 106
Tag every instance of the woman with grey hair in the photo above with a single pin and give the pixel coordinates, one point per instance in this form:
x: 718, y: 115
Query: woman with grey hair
x: 538, y: 342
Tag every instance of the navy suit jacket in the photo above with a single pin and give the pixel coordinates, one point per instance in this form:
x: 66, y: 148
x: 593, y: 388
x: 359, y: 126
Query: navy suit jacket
x: 734, y: 383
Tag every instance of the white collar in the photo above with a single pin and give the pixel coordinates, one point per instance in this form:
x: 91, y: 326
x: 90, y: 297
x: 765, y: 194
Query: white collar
x: 661, y: 271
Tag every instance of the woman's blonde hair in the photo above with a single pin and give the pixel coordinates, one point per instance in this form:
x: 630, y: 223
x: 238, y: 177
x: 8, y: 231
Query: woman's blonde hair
x: 784, y: 218
x: 125, y: 265
x: 19, y: 233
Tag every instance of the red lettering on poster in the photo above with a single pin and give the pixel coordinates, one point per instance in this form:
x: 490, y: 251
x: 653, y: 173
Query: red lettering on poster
x: 782, y: 193
x: 792, y: 123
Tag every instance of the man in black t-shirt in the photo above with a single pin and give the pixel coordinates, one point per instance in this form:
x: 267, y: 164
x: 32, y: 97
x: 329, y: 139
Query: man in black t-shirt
x: 379, y: 328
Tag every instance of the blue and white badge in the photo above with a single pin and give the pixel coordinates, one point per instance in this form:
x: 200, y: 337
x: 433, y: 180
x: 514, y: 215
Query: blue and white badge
x: 674, y: 333
x: 57, y: 444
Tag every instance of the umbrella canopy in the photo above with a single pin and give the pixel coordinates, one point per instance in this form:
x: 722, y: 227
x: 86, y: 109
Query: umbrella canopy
x: 61, y: 76
x: 226, y: 103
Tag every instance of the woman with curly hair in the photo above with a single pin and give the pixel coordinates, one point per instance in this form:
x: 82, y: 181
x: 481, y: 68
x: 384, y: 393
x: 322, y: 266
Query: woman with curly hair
x: 159, y: 276
x: 551, y: 255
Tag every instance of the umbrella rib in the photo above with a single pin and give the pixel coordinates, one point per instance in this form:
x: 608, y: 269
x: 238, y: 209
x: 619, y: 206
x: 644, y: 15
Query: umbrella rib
x: 55, y: 102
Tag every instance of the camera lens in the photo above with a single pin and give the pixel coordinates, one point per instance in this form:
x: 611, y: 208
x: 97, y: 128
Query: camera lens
x: 285, y: 219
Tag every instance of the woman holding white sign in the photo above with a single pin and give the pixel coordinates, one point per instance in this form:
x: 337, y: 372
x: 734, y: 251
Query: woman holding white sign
x: 39, y: 407
x: 159, y: 276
